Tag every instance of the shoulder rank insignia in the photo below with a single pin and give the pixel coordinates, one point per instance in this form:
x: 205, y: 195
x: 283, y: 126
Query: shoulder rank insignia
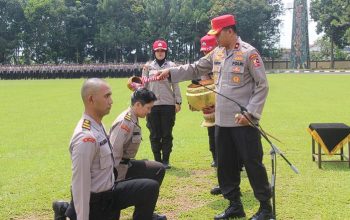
x: 128, y: 116
x: 86, y: 124
x: 209, y: 54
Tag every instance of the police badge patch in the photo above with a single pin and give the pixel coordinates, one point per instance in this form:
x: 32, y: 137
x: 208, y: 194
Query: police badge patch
x: 257, y: 62
x: 125, y: 127
x: 253, y: 56
x: 238, y: 58
x: 236, y: 79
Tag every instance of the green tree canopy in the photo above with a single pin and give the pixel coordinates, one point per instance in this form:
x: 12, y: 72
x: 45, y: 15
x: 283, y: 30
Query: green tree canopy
x: 11, y: 26
x: 333, y: 18
x: 77, y: 31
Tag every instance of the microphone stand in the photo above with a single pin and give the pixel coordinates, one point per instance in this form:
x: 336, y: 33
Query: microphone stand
x: 274, y: 149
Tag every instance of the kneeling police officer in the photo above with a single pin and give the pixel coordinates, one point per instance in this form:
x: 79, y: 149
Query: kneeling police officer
x: 95, y: 193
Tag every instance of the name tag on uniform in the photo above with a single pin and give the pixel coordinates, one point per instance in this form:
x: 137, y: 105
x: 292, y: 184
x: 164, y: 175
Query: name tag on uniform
x: 103, y: 142
x: 237, y: 63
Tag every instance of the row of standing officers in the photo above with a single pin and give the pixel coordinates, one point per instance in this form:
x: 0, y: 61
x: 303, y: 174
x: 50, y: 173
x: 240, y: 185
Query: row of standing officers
x: 69, y: 71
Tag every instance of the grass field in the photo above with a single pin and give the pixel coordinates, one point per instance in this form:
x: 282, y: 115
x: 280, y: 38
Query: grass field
x: 37, y: 119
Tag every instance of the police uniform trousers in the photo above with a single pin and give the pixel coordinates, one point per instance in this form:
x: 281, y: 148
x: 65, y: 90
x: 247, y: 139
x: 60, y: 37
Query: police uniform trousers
x: 141, y: 193
x: 146, y: 169
x: 211, y: 135
x: 160, y: 123
x: 236, y: 145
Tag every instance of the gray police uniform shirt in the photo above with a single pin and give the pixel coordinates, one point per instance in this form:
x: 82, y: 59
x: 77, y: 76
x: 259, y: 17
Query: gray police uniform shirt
x: 125, y: 137
x: 167, y: 93
x: 92, y: 164
x: 238, y: 74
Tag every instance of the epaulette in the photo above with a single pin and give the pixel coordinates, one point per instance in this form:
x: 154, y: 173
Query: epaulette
x: 86, y: 124
x: 209, y: 54
x: 128, y: 116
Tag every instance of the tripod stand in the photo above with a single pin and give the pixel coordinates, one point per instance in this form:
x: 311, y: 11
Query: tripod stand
x: 274, y: 148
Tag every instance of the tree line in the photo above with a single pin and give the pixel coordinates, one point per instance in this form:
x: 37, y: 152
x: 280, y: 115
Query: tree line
x: 333, y: 19
x: 105, y: 31
x: 90, y: 31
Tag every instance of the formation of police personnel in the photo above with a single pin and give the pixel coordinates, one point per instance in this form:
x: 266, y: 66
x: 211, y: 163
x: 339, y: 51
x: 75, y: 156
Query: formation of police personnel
x: 105, y: 176
x: 69, y: 71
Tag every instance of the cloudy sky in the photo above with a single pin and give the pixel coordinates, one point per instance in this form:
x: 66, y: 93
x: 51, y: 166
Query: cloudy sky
x: 287, y: 23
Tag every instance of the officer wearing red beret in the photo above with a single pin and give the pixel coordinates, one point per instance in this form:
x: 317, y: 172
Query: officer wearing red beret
x: 208, y: 43
x: 239, y: 74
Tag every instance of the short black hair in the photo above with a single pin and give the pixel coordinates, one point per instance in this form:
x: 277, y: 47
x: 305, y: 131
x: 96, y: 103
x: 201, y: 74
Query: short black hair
x: 144, y: 96
x: 233, y: 27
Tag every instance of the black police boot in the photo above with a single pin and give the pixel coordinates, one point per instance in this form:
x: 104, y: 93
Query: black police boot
x: 166, y: 164
x: 234, y: 210
x: 215, y: 190
x: 156, y: 216
x: 264, y: 212
x: 157, y: 157
x: 60, y: 207
x: 166, y: 160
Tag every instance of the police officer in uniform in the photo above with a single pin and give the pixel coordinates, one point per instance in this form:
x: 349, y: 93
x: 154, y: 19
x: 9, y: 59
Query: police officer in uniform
x: 125, y: 136
x: 95, y: 193
x: 239, y: 74
x: 161, y: 120
x: 208, y: 43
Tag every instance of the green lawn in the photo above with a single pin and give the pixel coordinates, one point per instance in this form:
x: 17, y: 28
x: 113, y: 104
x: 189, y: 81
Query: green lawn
x: 38, y: 117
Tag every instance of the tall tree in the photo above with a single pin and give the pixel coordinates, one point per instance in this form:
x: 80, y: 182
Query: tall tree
x: 257, y: 20
x: 121, y: 32
x: 332, y: 17
x: 324, y: 52
x: 11, y: 26
x: 44, y: 35
x: 81, y: 27
x: 189, y: 23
